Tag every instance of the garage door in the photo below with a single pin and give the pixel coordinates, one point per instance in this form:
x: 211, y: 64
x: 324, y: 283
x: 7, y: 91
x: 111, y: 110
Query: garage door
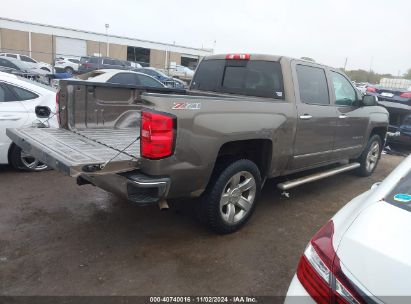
x: 70, y: 47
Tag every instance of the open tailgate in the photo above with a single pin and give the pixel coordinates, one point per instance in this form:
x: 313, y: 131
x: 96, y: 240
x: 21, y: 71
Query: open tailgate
x: 81, y: 151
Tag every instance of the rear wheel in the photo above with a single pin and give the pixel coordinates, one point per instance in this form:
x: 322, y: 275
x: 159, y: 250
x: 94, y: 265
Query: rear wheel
x: 69, y: 70
x: 21, y: 160
x: 370, y: 156
x: 230, y: 199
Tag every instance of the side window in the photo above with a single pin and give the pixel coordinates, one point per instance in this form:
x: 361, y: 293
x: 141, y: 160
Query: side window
x: 11, y: 56
x: 312, y: 85
x: 27, y: 59
x: 123, y: 78
x: 344, y: 92
x: 22, y: 94
x: 5, y: 94
x: 147, y: 81
x: 109, y: 62
x: 74, y: 60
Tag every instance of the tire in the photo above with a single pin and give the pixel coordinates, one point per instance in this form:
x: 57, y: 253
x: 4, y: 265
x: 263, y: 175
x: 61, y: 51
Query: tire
x: 225, y: 208
x: 370, y: 156
x: 20, y: 160
x: 69, y: 70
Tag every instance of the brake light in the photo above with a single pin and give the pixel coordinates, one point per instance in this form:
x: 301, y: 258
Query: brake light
x: 86, y: 65
x: 319, y: 271
x: 237, y: 57
x: 406, y: 95
x: 156, y: 135
x: 371, y: 89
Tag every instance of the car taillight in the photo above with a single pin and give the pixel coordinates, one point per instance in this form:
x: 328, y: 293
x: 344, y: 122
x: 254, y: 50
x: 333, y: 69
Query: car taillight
x: 60, y: 62
x: 371, y: 89
x: 406, y: 95
x: 156, y: 135
x: 319, y: 271
x: 237, y: 57
x: 86, y: 65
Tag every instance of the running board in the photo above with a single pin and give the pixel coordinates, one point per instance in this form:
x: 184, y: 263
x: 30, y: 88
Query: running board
x: 311, y: 178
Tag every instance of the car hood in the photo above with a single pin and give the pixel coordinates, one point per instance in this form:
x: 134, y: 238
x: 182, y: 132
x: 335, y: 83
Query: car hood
x: 376, y: 250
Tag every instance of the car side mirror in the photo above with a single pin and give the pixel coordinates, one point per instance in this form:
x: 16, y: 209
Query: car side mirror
x: 42, y: 111
x: 369, y: 100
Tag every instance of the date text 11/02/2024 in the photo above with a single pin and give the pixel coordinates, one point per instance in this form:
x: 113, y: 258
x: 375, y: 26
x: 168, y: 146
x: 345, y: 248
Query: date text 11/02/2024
x: 200, y: 299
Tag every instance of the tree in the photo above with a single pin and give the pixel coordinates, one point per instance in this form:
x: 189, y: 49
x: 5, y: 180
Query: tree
x: 308, y: 59
x: 408, y: 74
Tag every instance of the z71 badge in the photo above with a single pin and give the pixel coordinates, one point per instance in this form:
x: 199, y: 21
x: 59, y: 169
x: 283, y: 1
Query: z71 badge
x: 186, y: 106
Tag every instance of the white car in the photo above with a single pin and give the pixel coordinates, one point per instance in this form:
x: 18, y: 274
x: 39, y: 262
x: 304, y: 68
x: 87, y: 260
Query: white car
x: 29, y: 61
x: 18, y: 100
x: 68, y: 64
x: 362, y: 255
x: 181, y: 72
x: 122, y: 77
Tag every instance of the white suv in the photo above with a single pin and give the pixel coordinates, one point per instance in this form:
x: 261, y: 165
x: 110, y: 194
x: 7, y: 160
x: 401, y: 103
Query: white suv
x: 68, y: 64
x: 30, y: 61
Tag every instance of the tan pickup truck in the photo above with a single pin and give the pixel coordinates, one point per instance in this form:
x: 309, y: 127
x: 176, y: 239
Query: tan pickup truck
x: 245, y: 118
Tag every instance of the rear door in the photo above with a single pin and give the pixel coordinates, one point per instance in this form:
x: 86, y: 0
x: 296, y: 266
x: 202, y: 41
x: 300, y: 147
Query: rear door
x: 316, y: 119
x: 12, y: 115
x: 352, y: 120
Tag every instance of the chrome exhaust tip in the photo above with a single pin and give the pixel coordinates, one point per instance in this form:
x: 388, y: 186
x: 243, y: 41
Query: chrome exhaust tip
x: 163, y: 205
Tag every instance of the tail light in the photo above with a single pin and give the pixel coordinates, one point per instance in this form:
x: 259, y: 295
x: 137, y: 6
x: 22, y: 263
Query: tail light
x: 406, y: 95
x: 319, y: 271
x: 371, y: 89
x: 86, y: 65
x: 237, y: 57
x: 157, y: 135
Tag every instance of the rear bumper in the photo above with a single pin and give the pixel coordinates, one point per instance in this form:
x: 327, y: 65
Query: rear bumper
x: 133, y: 186
x: 297, y: 294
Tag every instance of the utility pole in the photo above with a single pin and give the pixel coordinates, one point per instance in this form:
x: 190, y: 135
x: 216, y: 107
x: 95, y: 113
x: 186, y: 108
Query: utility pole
x: 345, y: 64
x: 108, y: 48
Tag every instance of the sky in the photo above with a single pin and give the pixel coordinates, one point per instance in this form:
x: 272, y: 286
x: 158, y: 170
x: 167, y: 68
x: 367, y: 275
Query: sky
x: 372, y: 34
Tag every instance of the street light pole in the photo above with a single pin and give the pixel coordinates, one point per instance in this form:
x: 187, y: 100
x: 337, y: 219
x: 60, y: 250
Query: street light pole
x: 108, y: 49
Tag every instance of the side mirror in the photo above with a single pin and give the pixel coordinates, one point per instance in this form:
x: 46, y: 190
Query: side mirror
x: 42, y: 112
x: 369, y: 100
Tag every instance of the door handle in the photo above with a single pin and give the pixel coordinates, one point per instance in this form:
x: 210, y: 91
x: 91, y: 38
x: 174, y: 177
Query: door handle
x: 342, y: 116
x: 305, y: 116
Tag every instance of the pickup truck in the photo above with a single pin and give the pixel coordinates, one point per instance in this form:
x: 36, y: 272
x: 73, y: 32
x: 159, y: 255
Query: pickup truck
x: 245, y: 118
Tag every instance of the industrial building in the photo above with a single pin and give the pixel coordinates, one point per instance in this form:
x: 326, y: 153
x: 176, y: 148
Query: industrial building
x: 46, y: 42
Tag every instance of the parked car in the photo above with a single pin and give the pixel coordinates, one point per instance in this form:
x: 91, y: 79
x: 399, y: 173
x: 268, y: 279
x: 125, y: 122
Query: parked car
x: 133, y: 65
x: 399, y: 129
x: 362, y: 254
x: 125, y: 77
x: 166, y: 80
x: 29, y: 61
x: 92, y: 63
x: 181, y: 72
x: 23, y: 69
x: 218, y: 141
x: 362, y: 86
x: 66, y: 64
x: 392, y: 95
x: 18, y: 100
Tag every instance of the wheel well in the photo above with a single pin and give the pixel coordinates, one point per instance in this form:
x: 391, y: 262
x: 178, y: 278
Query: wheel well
x: 10, y: 150
x: 257, y: 150
x: 380, y: 131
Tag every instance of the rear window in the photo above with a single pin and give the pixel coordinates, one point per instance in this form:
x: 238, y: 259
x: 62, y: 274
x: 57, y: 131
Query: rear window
x: 400, y: 196
x: 253, y: 78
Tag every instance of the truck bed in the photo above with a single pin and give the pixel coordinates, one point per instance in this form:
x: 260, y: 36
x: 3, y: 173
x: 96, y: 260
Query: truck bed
x: 69, y: 151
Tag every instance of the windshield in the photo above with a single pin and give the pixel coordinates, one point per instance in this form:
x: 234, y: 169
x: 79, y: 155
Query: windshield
x: 244, y: 77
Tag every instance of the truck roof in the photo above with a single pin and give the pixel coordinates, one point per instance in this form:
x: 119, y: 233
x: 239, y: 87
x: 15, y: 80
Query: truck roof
x: 265, y: 57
